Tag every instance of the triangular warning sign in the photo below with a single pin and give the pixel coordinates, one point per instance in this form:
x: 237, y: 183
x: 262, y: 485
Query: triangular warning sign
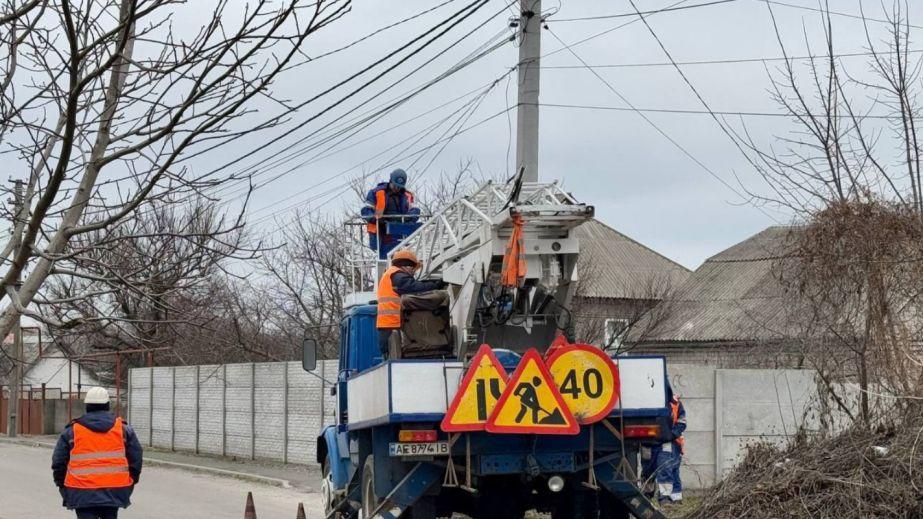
x: 531, y: 403
x: 477, y: 394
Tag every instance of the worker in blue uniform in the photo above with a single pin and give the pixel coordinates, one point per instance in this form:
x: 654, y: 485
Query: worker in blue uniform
x: 389, y: 200
x: 661, y: 463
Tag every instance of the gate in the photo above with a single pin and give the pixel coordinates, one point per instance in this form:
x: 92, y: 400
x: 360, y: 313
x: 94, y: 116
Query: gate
x: 31, y: 414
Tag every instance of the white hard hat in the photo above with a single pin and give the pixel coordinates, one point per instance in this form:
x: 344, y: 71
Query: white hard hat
x: 97, y: 395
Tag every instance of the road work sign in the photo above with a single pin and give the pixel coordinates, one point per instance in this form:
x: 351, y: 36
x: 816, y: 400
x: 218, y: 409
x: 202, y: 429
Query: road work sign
x: 478, y: 393
x: 587, y: 379
x: 531, y: 403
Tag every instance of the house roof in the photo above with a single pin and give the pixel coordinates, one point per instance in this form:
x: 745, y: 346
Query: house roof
x: 614, y: 266
x: 734, y: 296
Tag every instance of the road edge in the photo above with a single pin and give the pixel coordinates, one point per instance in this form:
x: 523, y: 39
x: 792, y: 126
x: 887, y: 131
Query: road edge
x: 276, y: 482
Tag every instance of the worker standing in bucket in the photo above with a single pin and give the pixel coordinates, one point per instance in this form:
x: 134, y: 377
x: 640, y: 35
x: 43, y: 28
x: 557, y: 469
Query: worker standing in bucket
x: 97, y: 461
x: 398, y: 280
x: 388, y: 200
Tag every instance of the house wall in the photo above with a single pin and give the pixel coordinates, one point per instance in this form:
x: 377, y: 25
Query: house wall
x: 54, y: 374
x: 591, y: 315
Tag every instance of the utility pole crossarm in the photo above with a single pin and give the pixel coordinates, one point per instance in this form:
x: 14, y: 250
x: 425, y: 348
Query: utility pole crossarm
x: 530, y: 51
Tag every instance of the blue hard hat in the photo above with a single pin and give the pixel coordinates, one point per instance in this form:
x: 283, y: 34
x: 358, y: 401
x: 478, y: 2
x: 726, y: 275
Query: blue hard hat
x: 399, y: 177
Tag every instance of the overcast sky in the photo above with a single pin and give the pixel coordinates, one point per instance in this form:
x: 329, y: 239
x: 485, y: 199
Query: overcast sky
x: 640, y: 183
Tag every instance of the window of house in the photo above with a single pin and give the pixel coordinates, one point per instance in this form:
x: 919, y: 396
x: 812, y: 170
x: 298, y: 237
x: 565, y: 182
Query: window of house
x: 614, y: 332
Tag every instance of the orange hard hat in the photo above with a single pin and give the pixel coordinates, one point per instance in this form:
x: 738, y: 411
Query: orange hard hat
x: 406, y: 255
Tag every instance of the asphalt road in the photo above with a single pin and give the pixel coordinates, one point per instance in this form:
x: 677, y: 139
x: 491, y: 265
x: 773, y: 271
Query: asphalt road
x: 26, y: 492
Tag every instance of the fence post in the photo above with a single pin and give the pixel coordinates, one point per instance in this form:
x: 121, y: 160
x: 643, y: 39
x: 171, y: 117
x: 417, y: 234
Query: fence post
x: 252, y: 410
x: 719, y: 425
x: 130, y: 394
x: 196, y: 430
x: 284, y: 412
x: 150, y: 407
x: 224, y: 409
x: 173, y: 412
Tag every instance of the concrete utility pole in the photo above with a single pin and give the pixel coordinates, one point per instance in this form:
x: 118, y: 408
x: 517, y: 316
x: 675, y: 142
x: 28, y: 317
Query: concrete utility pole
x: 12, y: 424
x: 530, y: 51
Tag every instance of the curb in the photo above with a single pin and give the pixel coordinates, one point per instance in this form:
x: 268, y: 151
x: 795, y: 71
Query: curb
x: 276, y: 482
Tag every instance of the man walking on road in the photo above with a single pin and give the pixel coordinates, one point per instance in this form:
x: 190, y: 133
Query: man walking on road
x: 97, y: 461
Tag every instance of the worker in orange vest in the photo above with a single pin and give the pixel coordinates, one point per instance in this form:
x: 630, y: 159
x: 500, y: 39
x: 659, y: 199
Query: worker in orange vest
x: 389, y: 200
x: 97, y: 461
x: 398, y: 280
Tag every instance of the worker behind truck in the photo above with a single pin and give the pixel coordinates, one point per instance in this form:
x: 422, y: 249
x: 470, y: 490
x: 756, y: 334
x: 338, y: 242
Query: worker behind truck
x: 388, y: 201
x: 97, y: 461
x: 398, y: 280
x: 661, y: 463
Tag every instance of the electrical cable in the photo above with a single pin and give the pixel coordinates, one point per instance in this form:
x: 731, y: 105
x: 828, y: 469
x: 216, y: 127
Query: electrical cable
x: 628, y: 15
x: 704, y: 112
x: 659, y: 130
x: 728, y: 61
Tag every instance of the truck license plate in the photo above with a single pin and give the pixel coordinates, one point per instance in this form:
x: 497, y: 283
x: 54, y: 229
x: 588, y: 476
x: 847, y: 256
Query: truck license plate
x: 420, y: 449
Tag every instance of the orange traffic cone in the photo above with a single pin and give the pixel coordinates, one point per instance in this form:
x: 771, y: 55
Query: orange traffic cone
x: 250, y: 510
x: 300, y: 512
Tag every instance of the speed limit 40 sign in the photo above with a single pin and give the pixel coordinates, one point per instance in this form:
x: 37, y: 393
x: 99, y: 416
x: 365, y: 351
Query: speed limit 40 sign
x: 587, y: 379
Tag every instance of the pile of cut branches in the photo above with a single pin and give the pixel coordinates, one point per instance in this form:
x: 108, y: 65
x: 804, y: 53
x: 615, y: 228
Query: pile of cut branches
x: 859, y: 473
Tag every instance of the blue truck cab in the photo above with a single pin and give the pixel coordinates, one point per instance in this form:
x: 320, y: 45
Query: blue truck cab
x: 479, y: 474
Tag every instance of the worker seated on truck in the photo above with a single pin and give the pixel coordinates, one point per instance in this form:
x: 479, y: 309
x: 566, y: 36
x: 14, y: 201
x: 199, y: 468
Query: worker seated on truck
x: 388, y: 201
x: 398, y: 280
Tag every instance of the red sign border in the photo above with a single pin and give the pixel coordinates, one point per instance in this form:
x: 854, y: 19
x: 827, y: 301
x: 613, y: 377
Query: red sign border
x: 484, y: 350
x: 558, y: 353
x: 533, y: 355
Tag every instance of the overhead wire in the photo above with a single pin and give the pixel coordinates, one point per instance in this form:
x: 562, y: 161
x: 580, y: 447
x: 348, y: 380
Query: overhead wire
x: 682, y: 111
x: 656, y: 127
x: 629, y: 15
x: 730, y: 61
x: 246, y: 190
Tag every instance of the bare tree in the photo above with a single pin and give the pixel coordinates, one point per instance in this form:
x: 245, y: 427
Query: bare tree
x: 144, y: 282
x: 309, y: 277
x: 854, y: 276
x: 103, y: 103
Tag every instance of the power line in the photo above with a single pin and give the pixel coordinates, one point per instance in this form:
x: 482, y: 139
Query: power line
x: 634, y: 14
x: 835, y: 13
x: 730, y: 61
x: 681, y: 111
x: 654, y: 125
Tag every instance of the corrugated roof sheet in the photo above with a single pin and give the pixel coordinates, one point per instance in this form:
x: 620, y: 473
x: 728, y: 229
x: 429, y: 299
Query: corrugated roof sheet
x: 615, y: 266
x: 734, y: 296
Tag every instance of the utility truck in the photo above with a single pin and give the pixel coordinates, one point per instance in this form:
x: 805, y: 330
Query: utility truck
x: 509, y: 416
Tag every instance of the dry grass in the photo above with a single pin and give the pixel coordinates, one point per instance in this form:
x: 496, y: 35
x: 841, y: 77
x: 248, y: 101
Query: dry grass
x: 857, y: 474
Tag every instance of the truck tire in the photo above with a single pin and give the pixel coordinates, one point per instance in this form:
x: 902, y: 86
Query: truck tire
x: 612, y: 508
x: 326, y: 487
x: 370, y: 501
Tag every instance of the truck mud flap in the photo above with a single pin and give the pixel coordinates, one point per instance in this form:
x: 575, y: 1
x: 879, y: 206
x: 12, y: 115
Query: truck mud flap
x: 416, y: 483
x: 626, y: 492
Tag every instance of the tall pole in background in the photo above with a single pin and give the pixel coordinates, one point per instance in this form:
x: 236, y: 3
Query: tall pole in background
x: 530, y: 51
x: 12, y: 425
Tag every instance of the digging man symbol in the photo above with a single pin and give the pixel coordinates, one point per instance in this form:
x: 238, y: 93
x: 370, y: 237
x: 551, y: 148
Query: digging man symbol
x: 528, y: 401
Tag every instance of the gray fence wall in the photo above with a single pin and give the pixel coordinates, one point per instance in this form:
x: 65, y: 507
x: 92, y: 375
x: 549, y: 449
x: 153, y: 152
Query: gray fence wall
x: 728, y: 409
x: 258, y: 411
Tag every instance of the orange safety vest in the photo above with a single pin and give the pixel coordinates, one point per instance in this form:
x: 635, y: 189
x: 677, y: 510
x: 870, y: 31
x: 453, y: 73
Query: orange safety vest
x: 381, y: 202
x: 389, y: 303
x: 97, y: 459
x: 674, y: 412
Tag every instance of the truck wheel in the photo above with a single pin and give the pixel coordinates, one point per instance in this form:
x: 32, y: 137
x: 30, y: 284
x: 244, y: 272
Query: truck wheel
x: 370, y: 501
x: 612, y: 508
x: 327, y: 489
